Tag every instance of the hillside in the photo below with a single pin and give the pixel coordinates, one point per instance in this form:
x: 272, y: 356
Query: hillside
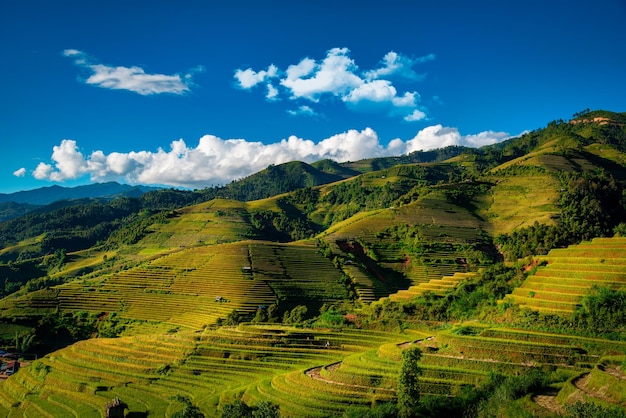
x: 492, y: 279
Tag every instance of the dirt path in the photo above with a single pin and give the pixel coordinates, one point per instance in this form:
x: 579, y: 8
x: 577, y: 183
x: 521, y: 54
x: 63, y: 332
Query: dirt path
x: 613, y: 371
x: 548, y: 401
x: 581, y: 383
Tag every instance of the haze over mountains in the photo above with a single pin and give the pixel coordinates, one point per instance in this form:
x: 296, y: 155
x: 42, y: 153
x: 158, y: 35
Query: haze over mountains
x: 49, y: 194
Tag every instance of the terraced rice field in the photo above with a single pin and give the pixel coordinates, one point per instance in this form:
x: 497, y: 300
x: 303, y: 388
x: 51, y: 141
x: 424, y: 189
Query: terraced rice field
x: 190, y: 288
x: 194, y: 287
x: 307, y: 372
x: 297, y: 272
x: 148, y: 372
x: 570, y: 274
x: 437, y: 286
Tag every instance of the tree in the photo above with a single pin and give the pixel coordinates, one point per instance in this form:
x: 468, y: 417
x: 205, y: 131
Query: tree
x: 297, y: 315
x: 237, y: 409
x: 265, y: 409
x: 408, y: 385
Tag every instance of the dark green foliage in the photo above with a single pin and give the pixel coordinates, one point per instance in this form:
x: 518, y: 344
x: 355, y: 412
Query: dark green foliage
x: 277, y: 179
x: 239, y: 409
x: 536, y: 239
x: 383, y: 410
x: 474, y: 297
x: 408, y: 383
x: 279, y: 226
x: 189, y: 410
x: 265, y: 409
x: 260, y: 315
x: 60, y: 329
x: 591, y: 206
x: 603, y: 311
x: 12, y: 210
x: 233, y: 318
x: 590, y: 410
x: 134, y: 227
x: 331, y: 318
x: 497, y: 395
x: 296, y: 316
x: 306, y: 199
x: 431, y: 156
x: 14, y: 275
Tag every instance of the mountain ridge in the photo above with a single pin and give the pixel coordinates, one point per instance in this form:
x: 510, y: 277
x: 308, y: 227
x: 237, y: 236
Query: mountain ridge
x: 49, y: 194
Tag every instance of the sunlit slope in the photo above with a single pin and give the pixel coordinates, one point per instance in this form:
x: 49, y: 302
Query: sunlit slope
x: 571, y: 273
x: 438, y: 287
x: 193, y: 287
x: 213, y: 222
x: 307, y: 372
x: 433, y: 236
x: 519, y: 200
x: 298, y: 274
x: 152, y: 372
x: 180, y: 288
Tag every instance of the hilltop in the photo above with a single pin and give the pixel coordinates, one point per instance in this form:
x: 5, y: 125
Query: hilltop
x: 304, y: 286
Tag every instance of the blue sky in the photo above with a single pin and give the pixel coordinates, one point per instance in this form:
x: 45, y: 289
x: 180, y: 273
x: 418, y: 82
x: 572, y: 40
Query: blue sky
x: 192, y: 94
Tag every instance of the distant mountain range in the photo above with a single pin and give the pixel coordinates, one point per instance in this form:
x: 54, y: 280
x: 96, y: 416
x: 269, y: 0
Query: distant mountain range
x: 47, y: 195
x: 13, y: 205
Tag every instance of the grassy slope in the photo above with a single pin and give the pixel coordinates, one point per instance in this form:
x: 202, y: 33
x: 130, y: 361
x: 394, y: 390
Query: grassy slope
x: 177, y: 271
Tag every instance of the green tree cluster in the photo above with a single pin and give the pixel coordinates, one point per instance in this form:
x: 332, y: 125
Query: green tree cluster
x: 239, y: 409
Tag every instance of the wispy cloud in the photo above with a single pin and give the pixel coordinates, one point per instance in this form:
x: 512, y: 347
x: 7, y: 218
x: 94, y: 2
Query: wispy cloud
x: 394, y: 64
x: 133, y: 79
x: 218, y: 161
x: 303, y: 111
x: 337, y: 75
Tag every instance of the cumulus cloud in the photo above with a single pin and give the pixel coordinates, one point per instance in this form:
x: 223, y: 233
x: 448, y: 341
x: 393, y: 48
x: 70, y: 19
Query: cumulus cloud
x: 20, y: 172
x: 335, y: 75
x: 438, y: 136
x: 338, y: 76
x: 249, y: 78
x: 133, y: 79
x: 218, y: 161
x: 415, y: 116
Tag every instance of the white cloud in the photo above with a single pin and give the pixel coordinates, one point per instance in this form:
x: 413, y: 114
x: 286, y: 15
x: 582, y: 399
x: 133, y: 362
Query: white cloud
x: 133, y: 79
x: 394, y: 64
x: 334, y: 75
x: 218, y: 161
x: 43, y: 171
x: 302, y: 111
x: 415, y: 116
x: 338, y: 76
x: 20, y: 172
x: 485, y: 138
x: 272, y: 93
x: 374, y: 91
x: 438, y: 136
x: 249, y: 78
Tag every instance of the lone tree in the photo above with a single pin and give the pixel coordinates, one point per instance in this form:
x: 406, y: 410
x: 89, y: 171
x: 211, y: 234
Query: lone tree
x: 408, y: 385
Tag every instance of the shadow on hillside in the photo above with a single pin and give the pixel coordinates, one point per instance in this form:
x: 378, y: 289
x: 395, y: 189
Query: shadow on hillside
x: 389, y: 278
